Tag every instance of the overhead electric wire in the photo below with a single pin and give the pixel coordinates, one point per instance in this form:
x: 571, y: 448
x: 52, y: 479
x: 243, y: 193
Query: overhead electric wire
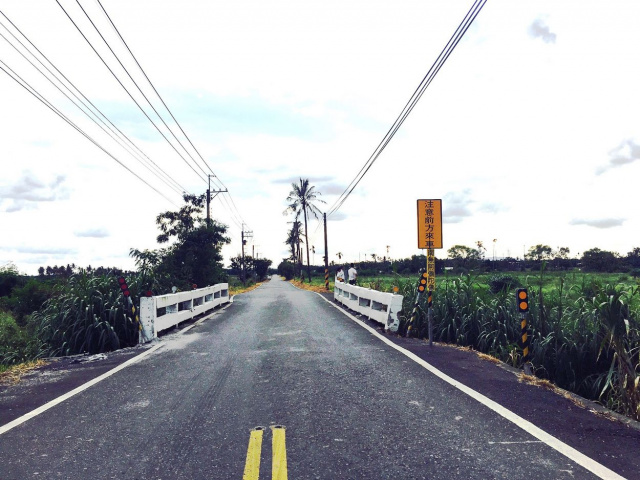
x: 129, y: 93
x: 136, y: 83
x: 24, y: 84
x: 232, y: 207
x: 157, y: 93
x: 426, y: 81
x: 158, y: 172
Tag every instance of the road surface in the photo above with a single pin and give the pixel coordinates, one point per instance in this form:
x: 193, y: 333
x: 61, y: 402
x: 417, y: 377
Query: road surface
x: 344, y: 404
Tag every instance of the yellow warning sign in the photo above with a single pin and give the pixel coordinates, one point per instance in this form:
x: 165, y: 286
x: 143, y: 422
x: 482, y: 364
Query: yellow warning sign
x: 430, y: 223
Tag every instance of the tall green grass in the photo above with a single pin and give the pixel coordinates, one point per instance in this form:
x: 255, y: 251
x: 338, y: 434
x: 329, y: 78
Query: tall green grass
x: 18, y: 343
x: 584, y: 337
x: 88, y: 314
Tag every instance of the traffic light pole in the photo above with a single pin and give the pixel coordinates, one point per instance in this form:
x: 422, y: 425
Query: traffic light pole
x: 422, y: 284
x: 522, y: 303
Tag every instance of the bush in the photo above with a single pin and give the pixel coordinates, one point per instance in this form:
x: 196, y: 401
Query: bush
x: 17, y: 344
x: 502, y: 283
x: 287, y: 270
x: 29, y: 298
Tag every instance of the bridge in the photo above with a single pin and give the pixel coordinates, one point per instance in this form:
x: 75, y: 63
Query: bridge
x: 284, y: 383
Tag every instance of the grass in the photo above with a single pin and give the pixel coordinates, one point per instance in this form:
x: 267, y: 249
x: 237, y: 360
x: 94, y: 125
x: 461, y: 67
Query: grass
x: 10, y: 375
x: 238, y: 289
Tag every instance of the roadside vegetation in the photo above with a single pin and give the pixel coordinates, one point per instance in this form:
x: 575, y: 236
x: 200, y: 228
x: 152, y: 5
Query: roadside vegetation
x: 68, y: 310
x: 584, y: 318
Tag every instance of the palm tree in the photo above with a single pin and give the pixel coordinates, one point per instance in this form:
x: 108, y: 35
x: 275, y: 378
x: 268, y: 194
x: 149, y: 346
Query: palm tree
x: 294, y: 239
x: 339, y: 255
x: 302, y: 197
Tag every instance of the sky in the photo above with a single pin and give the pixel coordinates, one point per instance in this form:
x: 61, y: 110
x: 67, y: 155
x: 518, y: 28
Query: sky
x: 529, y: 133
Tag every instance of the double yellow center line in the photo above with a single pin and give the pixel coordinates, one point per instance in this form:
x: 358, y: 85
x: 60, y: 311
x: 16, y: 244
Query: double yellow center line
x: 279, y: 454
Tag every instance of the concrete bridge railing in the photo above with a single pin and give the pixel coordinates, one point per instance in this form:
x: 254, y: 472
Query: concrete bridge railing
x: 165, y: 311
x: 378, y: 306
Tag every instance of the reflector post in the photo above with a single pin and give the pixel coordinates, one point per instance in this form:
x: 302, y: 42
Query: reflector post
x: 422, y: 284
x: 522, y: 300
x: 123, y: 286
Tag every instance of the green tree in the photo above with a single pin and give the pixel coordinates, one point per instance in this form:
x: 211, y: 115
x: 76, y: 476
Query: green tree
x: 236, y: 264
x: 262, y: 267
x: 9, y: 277
x: 539, y: 253
x: 464, y: 256
x: 302, y: 197
x: 596, y: 260
x: 194, y: 257
x: 633, y: 258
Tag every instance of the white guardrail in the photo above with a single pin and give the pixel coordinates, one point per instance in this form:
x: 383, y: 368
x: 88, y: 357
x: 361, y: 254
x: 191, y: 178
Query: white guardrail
x: 165, y: 311
x: 379, y: 306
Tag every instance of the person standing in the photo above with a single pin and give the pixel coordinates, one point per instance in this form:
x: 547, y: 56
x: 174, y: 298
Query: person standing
x: 353, y: 275
x: 340, y: 275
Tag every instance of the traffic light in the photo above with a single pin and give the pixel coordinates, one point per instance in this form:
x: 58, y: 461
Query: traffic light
x: 422, y: 285
x: 522, y: 300
x: 123, y: 286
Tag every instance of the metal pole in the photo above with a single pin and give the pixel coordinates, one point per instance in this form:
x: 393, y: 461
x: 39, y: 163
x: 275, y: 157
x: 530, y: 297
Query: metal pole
x: 243, y: 269
x: 430, y: 316
x: 209, y: 202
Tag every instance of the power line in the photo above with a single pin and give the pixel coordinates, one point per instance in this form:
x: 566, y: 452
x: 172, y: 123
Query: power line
x: 232, y: 207
x: 158, y: 172
x: 417, y: 94
x: 127, y: 91
x: 24, y: 84
x: 156, y: 91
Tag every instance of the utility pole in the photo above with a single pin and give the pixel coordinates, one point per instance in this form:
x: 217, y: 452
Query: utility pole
x: 245, y: 235
x: 209, y: 192
x: 326, y: 255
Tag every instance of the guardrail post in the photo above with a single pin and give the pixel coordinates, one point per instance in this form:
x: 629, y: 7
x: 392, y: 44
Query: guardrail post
x: 147, y: 319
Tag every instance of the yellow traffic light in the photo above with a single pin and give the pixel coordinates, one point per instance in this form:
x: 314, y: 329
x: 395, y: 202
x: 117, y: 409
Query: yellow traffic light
x: 422, y: 285
x: 522, y: 300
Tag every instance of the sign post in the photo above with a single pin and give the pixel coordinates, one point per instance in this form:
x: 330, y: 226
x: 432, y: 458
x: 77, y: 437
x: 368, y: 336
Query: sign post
x: 429, y: 238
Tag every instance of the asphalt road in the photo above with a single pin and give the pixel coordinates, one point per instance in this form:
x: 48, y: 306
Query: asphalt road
x: 351, y: 407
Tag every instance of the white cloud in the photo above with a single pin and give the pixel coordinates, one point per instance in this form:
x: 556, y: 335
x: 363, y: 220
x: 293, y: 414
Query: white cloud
x: 28, y: 190
x: 599, y: 222
x: 539, y: 29
x: 627, y: 152
x: 93, y: 233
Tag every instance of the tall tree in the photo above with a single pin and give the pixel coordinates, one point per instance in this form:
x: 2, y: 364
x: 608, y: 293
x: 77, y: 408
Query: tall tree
x: 302, y: 197
x: 195, y: 255
x: 539, y: 252
x: 294, y: 238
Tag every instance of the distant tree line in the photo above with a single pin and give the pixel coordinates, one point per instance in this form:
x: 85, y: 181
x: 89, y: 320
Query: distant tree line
x: 71, y: 268
x: 462, y: 258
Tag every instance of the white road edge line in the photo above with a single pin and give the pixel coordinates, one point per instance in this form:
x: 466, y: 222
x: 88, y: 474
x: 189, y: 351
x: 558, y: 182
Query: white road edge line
x: 75, y: 391
x: 569, y: 452
x: 56, y: 401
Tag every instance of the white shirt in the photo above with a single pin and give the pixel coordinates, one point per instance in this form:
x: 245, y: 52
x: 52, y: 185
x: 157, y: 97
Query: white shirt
x: 352, y: 273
